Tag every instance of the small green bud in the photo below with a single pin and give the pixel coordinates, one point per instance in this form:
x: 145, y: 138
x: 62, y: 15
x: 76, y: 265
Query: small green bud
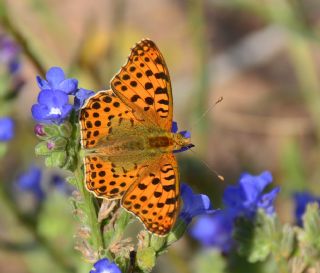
x: 146, y: 258
x: 60, y: 143
x: 51, y: 130
x: 65, y: 129
x: 42, y: 148
x: 56, y: 159
x: 158, y: 242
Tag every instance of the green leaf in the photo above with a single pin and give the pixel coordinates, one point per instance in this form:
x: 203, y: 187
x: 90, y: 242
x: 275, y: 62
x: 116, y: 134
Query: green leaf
x: 56, y: 159
x: 287, y: 242
x: 257, y: 239
x: 311, y: 223
x: 177, y: 232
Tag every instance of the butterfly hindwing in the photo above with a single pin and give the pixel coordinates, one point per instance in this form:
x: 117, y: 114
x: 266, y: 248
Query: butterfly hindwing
x: 109, y: 179
x: 154, y: 196
x: 144, y: 85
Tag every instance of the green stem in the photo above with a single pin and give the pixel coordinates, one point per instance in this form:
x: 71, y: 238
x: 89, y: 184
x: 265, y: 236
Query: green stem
x: 89, y: 204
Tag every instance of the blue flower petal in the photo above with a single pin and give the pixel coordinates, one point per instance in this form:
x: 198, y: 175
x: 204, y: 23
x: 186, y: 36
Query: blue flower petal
x: 174, y: 127
x: 43, y: 84
x: 246, y: 197
x: 68, y: 86
x: 254, y: 185
x: 6, y: 129
x: 214, y: 230
x: 185, y: 134
x: 193, y: 204
x: 30, y: 181
x: 55, y: 76
x: 53, y: 107
x: 266, y: 200
x: 105, y: 266
x: 81, y: 96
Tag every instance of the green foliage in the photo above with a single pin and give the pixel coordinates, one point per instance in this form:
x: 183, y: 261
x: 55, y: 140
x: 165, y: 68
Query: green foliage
x: 209, y: 261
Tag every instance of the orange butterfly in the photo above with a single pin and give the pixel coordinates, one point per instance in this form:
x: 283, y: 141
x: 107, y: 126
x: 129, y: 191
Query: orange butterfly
x: 126, y: 134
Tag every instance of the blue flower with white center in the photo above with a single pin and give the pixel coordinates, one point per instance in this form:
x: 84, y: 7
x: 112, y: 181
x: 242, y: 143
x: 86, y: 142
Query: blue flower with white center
x: 80, y: 97
x: 56, y: 80
x: 193, y: 204
x: 105, y: 266
x: 214, y: 230
x: 248, y: 196
x: 302, y: 199
x: 6, y: 129
x: 53, y: 107
x: 30, y: 181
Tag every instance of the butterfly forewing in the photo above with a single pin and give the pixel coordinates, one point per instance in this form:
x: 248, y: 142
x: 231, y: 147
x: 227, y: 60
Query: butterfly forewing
x: 144, y: 85
x: 102, y: 113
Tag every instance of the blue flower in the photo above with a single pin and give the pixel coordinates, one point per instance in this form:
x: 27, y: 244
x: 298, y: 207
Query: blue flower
x: 6, y: 129
x: 53, y: 107
x: 56, y: 80
x: 60, y: 184
x: 80, y: 97
x: 247, y: 197
x: 9, y: 54
x: 30, y: 181
x: 214, y: 230
x: 105, y: 266
x: 193, y: 204
x: 302, y: 199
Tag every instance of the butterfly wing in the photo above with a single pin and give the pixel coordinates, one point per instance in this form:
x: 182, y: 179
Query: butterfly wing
x: 154, y: 196
x: 101, y: 115
x: 109, y: 178
x: 144, y: 85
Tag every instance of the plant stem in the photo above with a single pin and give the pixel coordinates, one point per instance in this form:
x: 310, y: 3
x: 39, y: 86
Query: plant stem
x: 89, y: 204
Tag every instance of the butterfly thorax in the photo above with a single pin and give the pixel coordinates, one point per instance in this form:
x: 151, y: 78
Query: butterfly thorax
x: 152, y: 143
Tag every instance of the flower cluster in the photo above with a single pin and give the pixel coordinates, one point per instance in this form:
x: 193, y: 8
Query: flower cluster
x: 241, y: 200
x: 53, y: 100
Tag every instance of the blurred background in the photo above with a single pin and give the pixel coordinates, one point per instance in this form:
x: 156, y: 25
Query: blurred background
x: 261, y: 56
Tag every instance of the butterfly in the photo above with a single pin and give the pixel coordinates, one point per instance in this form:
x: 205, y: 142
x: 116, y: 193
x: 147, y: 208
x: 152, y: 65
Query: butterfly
x: 128, y: 143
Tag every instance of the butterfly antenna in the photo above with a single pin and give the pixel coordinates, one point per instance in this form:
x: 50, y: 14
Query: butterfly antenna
x: 221, y: 178
x: 206, y: 112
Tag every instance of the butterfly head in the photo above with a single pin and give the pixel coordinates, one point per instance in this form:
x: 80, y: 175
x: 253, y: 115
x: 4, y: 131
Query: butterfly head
x: 182, y: 141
